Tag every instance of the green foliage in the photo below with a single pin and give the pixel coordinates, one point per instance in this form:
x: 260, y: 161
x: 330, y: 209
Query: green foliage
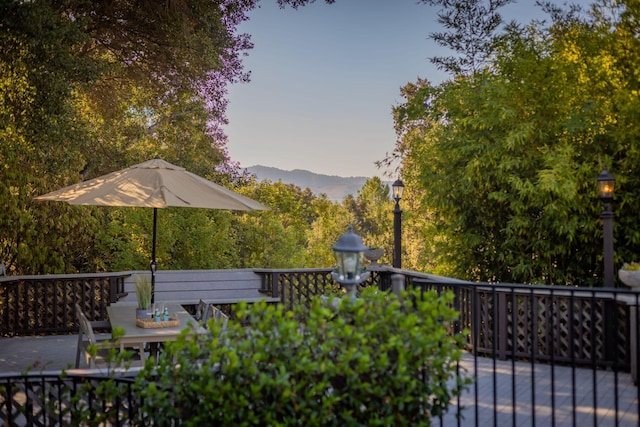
x: 332, y: 221
x: 82, y: 92
x: 280, y: 237
x: 506, y: 158
x: 471, y: 26
x: 41, y: 139
x: 378, y: 360
x: 372, y: 209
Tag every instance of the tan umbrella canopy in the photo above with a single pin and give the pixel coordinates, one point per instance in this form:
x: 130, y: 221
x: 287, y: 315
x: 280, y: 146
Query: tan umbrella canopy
x: 154, y: 184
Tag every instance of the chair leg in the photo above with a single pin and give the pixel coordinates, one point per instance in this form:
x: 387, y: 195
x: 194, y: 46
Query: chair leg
x: 78, y: 350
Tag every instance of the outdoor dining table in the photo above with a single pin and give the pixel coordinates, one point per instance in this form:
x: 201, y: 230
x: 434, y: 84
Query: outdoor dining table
x: 135, y: 336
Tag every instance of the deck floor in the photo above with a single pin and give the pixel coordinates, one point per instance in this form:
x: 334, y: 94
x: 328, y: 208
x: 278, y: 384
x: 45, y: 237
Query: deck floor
x: 533, y: 388
x: 40, y: 353
x: 496, y: 387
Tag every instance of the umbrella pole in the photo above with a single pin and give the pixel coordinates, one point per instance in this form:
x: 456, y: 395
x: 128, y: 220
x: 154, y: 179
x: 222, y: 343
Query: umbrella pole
x: 153, y: 256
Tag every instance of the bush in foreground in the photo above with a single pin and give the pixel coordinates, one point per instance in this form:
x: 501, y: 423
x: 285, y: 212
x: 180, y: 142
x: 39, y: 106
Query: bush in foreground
x: 377, y: 360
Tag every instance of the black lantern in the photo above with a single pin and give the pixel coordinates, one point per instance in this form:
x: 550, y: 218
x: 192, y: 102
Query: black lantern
x: 398, y: 188
x: 349, y: 253
x: 606, y: 185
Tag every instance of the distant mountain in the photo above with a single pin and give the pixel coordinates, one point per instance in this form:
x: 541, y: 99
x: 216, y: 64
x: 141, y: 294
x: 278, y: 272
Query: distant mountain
x: 335, y: 187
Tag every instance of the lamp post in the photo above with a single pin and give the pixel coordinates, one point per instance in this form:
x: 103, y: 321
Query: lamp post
x: 606, y: 185
x: 398, y: 188
x: 349, y: 253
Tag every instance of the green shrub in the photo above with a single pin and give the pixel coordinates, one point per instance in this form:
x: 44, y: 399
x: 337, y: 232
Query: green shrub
x: 375, y: 361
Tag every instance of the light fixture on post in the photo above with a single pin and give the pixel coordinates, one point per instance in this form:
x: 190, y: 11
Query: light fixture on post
x: 606, y: 185
x: 349, y: 253
x: 398, y: 189
x: 153, y: 267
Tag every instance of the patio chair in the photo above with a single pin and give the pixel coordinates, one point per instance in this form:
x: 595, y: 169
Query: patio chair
x: 201, y: 312
x: 217, y: 315
x: 87, y: 337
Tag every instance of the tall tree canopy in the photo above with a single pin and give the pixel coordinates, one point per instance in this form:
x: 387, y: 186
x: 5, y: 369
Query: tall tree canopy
x: 91, y: 87
x: 507, y: 155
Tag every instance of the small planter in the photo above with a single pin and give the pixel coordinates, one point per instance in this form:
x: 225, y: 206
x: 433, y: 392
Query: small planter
x: 631, y: 278
x: 143, y: 295
x: 374, y: 254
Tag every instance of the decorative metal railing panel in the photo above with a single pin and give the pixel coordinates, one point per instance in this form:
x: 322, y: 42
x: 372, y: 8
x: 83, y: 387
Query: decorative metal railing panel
x: 577, y: 326
x: 52, y: 400
x: 31, y: 305
x: 296, y: 287
x: 299, y: 287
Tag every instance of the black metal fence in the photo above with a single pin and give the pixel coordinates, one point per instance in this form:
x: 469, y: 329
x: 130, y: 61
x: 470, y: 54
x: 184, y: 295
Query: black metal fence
x: 544, y: 355
x: 70, y: 400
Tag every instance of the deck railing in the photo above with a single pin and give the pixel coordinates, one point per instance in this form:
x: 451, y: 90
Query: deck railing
x: 43, y: 305
x: 548, y: 328
x: 592, y: 327
x: 55, y: 400
x: 568, y: 325
x: 530, y: 346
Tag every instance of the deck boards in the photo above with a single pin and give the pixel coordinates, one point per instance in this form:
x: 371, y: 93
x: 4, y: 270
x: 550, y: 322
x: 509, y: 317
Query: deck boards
x: 534, y: 404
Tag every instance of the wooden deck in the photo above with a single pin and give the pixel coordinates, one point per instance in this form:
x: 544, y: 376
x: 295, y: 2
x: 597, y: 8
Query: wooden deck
x: 495, y: 387
x: 577, y: 392
x: 38, y: 353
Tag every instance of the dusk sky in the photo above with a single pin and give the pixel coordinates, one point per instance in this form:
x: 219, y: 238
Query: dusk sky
x: 325, y: 77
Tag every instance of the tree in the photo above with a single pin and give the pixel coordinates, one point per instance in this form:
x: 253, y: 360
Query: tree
x: 372, y: 210
x: 276, y: 238
x: 91, y: 87
x: 472, y: 27
x: 515, y: 148
x: 330, y: 223
x: 41, y: 139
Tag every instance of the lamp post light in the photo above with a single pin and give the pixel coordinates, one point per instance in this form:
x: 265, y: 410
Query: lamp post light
x: 606, y: 185
x: 398, y: 188
x: 349, y: 253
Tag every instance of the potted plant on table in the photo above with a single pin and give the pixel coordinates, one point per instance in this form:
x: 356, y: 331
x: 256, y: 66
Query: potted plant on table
x: 143, y: 294
x: 629, y: 274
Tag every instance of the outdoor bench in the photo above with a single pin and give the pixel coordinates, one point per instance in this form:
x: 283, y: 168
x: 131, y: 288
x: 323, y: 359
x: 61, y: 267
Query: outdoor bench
x: 188, y: 287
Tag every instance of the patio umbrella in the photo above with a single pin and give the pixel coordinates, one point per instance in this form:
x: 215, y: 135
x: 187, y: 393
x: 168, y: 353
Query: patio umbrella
x: 154, y: 184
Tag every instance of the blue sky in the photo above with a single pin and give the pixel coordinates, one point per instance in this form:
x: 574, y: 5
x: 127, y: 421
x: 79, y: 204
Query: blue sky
x: 324, y: 79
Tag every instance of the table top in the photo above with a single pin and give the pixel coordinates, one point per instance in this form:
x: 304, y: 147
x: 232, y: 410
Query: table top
x: 125, y: 317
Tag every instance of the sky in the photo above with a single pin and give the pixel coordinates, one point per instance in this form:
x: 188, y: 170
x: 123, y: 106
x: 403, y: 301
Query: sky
x: 324, y: 79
